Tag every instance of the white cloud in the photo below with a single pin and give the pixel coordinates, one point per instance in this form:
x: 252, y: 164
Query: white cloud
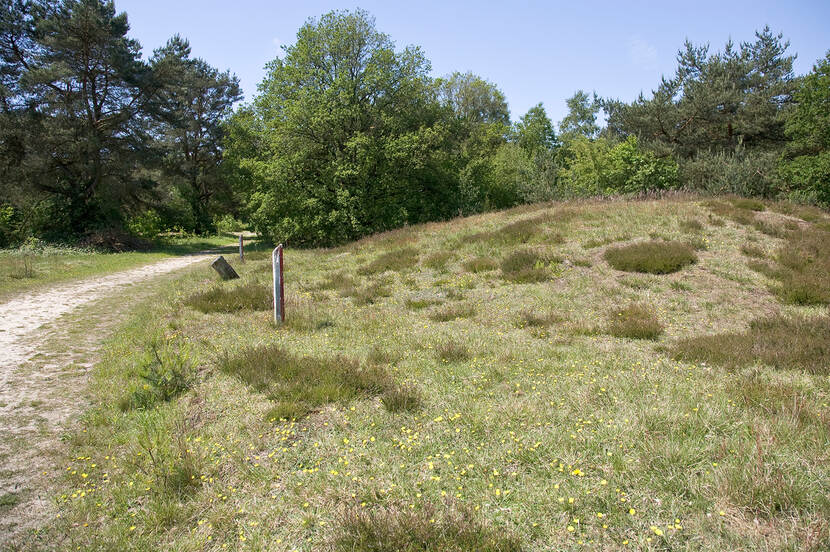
x: 642, y: 54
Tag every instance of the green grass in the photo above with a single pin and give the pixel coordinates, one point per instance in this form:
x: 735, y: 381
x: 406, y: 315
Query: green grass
x: 505, y: 417
x: 227, y: 297
x: 30, y: 269
x: 652, y: 257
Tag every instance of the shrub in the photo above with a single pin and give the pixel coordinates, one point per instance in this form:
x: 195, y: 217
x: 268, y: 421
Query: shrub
x: 653, y: 257
x: 418, y: 304
x: 299, y: 385
x: 782, y: 342
x: 248, y: 296
x: 147, y: 225
x: 743, y: 173
x: 226, y: 224
x: 769, y: 228
x: 395, y: 260
x: 634, y: 322
x: 452, y: 312
x: 480, y: 264
x: 450, y: 351
x: 402, y: 529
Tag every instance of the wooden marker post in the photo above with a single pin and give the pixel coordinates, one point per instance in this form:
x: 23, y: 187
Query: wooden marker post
x: 241, y: 251
x: 225, y: 270
x: 279, y: 288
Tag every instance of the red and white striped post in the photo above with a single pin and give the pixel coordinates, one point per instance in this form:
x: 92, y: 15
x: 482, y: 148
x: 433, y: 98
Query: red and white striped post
x: 241, y: 250
x: 279, y: 288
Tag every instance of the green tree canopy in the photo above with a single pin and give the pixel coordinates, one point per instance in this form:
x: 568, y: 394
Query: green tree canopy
x: 534, y: 131
x: 353, y: 137
x: 581, y: 119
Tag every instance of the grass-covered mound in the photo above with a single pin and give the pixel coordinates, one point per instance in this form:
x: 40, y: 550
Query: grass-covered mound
x: 391, y: 402
x: 801, y: 268
x: 653, y: 257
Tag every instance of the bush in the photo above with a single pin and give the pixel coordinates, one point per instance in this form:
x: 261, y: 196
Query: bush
x: 527, y: 265
x: 784, y: 343
x: 147, y: 225
x: 298, y: 385
x: 530, y: 319
x: 802, y: 268
x: 749, y: 204
x: 219, y: 298
x: 227, y: 224
x: 741, y: 173
x: 652, y: 257
x: 634, y: 322
x: 600, y: 168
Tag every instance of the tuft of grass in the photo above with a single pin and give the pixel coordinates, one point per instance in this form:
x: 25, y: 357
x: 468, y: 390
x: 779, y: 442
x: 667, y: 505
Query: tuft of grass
x: 298, y: 385
x: 635, y: 321
x: 418, y: 304
x: 438, y: 260
x: 9, y: 501
x: 368, y: 294
x: 452, y: 312
x: 691, y: 226
x: 337, y: 281
x: 219, y: 298
x: 520, y: 231
x: 530, y: 319
x: 402, y: 398
x: 451, y: 351
x: 800, y: 342
x: 480, y: 264
x: 424, y: 529
x: 680, y: 286
x: 653, y: 257
x: 753, y: 251
x: 527, y: 265
x: 748, y: 204
x: 395, y: 261
x: 769, y: 228
x: 167, y: 371
x: 698, y: 243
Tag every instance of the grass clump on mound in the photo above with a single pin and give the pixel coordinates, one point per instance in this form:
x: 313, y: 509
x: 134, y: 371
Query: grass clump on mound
x: 782, y: 342
x: 749, y: 204
x: 452, y: 312
x: 635, y: 321
x: 652, y: 257
x: 450, y: 351
x: 402, y: 398
x: 395, y: 260
x: 480, y: 264
x: 802, y: 268
x: 531, y: 319
x: 527, y: 266
x: 248, y: 296
x: 299, y: 385
x: 401, y: 529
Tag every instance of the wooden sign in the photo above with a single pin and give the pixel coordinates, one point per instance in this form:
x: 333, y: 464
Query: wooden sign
x: 225, y: 270
x: 279, y: 288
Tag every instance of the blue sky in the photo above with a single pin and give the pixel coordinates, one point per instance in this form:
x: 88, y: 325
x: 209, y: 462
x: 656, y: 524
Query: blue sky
x: 534, y: 51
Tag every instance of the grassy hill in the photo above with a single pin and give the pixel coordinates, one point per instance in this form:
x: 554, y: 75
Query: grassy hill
x: 489, y: 383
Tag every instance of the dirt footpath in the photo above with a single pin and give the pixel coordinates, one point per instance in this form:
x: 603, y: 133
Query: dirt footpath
x: 48, y: 342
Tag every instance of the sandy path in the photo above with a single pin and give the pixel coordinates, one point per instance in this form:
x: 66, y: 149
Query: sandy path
x: 43, y: 365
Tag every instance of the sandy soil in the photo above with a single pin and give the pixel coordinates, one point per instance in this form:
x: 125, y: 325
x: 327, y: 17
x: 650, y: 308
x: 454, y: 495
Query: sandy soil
x: 48, y: 342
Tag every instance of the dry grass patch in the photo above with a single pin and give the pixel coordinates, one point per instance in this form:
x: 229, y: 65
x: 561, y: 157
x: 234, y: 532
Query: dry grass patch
x: 635, y: 321
x: 424, y: 529
x: 219, y: 298
x: 799, y: 342
x: 298, y: 385
x: 438, y: 260
x: 452, y: 312
x: 652, y: 257
x: 753, y: 251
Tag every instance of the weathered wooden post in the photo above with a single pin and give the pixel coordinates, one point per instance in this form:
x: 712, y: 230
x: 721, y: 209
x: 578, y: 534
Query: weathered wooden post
x: 241, y: 251
x: 225, y: 270
x: 279, y: 288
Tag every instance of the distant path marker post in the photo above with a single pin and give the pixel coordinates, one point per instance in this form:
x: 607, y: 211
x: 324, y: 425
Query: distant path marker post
x: 279, y: 287
x: 241, y: 251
